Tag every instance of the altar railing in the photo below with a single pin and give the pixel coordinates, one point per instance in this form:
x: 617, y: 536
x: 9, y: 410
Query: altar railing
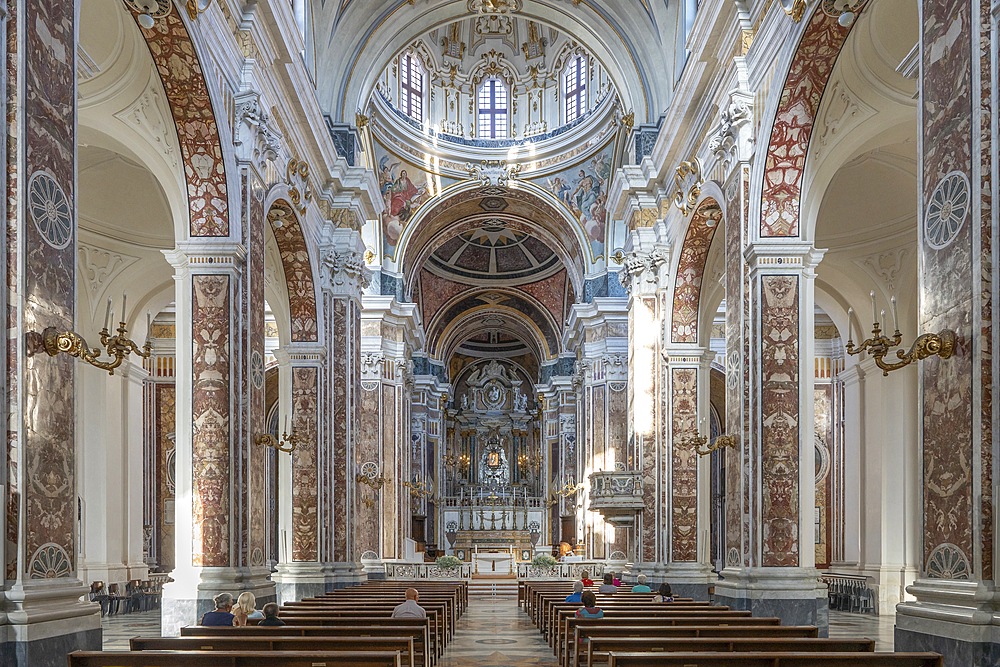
x: 467, y: 501
x: 561, y: 570
x: 426, y: 571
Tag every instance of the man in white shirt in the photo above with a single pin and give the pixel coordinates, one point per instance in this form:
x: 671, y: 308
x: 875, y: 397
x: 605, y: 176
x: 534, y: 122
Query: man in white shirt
x: 410, y: 608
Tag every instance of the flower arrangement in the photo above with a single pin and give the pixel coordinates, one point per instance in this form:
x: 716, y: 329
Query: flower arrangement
x: 448, y: 562
x: 544, y: 561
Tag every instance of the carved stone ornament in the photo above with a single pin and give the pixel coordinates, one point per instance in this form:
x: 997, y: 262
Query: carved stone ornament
x: 371, y: 366
x: 733, y: 140
x: 344, y: 272
x: 255, y: 137
x: 297, y: 180
x: 494, y: 173
x: 640, y: 269
x: 687, y: 182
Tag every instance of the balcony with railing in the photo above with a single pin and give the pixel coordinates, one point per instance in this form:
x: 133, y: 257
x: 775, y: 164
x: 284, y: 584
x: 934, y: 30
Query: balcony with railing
x: 617, y: 495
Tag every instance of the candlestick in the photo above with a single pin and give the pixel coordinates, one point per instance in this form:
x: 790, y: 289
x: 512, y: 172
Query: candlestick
x: 895, y: 316
x: 107, y: 314
x: 874, y: 308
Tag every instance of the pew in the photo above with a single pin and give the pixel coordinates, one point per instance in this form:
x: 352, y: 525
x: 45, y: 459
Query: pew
x: 262, y: 643
x: 234, y: 659
x: 600, y: 647
x: 364, y: 617
x: 775, y: 660
x: 417, y: 628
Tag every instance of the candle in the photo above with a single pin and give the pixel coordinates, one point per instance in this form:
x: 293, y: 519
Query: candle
x: 149, y: 324
x: 107, y: 314
x: 874, y: 309
x: 850, y: 324
x: 882, y: 319
x: 895, y: 316
x: 124, y: 299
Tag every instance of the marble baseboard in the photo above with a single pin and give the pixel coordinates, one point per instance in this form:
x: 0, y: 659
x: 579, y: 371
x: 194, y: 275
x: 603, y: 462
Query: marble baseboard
x: 294, y: 591
x: 696, y: 591
x: 50, y: 651
x: 793, y: 611
x: 957, y: 653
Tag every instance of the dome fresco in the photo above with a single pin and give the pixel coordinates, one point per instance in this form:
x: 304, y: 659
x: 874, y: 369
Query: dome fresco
x: 495, y: 252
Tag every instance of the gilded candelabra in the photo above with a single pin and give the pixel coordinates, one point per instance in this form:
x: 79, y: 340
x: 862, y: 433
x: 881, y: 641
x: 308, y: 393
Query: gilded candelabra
x: 458, y: 462
x: 420, y: 488
x: 878, y: 346
x: 530, y: 461
x: 287, y: 443
x: 721, y: 442
x: 567, y: 490
x: 375, y: 483
x: 118, y: 346
x: 691, y: 439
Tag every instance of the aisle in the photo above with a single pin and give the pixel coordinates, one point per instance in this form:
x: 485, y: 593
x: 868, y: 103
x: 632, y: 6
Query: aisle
x: 496, y: 633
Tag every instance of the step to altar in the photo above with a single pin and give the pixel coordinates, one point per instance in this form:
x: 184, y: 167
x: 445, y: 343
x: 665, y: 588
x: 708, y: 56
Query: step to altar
x: 500, y: 587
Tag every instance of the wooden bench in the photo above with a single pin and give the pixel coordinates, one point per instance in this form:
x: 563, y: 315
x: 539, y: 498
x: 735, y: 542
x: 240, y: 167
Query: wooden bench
x: 563, y: 647
x: 437, y: 638
x: 599, y: 647
x: 418, y: 628
x: 404, y: 645
x: 775, y: 660
x: 234, y: 659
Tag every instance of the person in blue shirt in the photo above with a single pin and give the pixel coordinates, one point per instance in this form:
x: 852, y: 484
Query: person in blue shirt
x: 221, y: 615
x: 641, y: 586
x: 589, y: 608
x: 577, y: 592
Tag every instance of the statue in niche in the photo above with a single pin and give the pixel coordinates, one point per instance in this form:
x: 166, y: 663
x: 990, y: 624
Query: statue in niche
x: 465, y: 401
x: 521, y: 402
x: 494, y: 471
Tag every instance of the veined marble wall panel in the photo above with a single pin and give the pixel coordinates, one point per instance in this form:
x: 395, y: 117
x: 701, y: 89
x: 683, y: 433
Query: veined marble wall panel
x: 793, y: 125
x: 305, y: 480
x: 41, y: 237
x: 598, y: 432
x: 197, y: 131
x: 825, y: 457
x: 366, y: 513
x: 211, y: 335
x: 392, y: 468
x: 684, y: 466
x: 617, y: 427
x: 946, y: 301
x: 691, y: 272
x: 338, y: 310
x: 653, y: 495
x: 779, y: 382
x: 166, y: 453
x: 252, y: 366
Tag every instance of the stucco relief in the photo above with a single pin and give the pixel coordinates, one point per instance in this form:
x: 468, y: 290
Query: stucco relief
x: 305, y: 508
x: 691, y: 272
x: 779, y: 350
x: 298, y: 271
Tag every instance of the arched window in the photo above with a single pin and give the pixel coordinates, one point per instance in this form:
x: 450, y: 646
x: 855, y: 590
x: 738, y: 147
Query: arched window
x: 492, y: 110
x: 575, y: 88
x: 411, y: 78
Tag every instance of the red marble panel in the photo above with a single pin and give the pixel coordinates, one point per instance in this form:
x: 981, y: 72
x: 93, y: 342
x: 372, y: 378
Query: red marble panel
x: 166, y: 418
x: 651, y: 466
x: 298, y: 271
x: 187, y: 94
x: 684, y: 466
x: 45, y: 282
x: 211, y: 429
x: 255, y: 491
x: 12, y: 499
x: 343, y: 466
x: 551, y: 292
x: 946, y: 300
x: 365, y: 522
x: 779, y: 396
x: 793, y: 124
x: 435, y: 292
x: 691, y: 271
x: 598, y: 421
x: 390, y: 502
x: 988, y: 112
x: 305, y: 504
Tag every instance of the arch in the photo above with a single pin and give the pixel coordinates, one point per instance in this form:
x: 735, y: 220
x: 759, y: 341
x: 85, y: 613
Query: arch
x: 526, y: 207
x: 690, y: 272
x: 173, y: 52
x: 297, y: 267
x: 808, y: 75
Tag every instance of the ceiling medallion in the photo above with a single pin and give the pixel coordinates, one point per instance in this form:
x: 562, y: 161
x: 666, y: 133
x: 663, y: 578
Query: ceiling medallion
x: 493, y: 204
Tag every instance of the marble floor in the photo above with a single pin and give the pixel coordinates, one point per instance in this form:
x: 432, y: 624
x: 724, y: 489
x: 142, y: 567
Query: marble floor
x: 498, y: 634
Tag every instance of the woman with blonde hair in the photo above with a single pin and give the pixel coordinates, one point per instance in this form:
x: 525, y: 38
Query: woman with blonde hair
x: 246, y: 608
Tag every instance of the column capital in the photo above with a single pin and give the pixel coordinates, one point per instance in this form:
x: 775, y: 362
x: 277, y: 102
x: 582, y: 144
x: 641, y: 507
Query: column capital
x: 206, y: 256
x: 255, y: 137
x: 301, y: 354
x: 783, y: 257
x: 641, y: 270
x: 342, y: 265
x: 687, y: 355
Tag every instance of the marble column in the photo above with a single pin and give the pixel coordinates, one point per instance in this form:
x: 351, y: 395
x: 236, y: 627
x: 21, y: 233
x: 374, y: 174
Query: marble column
x: 598, y: 333
x: 774, y: 574
x: 558, y: 407
x: 383, y: 447
x: 956, y: 608
x: 304, y: 501
x: 427, y: 449
x: 343, y: 277
x: 43, y: 616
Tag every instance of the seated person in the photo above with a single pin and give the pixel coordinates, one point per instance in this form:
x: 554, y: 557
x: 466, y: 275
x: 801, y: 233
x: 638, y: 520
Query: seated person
x: 641, y: 586
x: 246, y: 608
x: 221, y: 616
x: 585, y: 578
x: 608, y: 587
x: 410, y: 608
x: 271, y: 615
x: 577, y: 592
x: 616, y: 578
x: 663, y: 594
x: 589, y: 608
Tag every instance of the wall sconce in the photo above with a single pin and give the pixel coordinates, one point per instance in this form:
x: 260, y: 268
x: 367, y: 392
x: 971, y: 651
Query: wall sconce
x: 721, y: 442
x: 461, y: 463
x: 118, y: 346
x: 691, y: 440
x: 420, y: 489
x: 288, y: 442
x: 941, y: 344
x: 375, y: 483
